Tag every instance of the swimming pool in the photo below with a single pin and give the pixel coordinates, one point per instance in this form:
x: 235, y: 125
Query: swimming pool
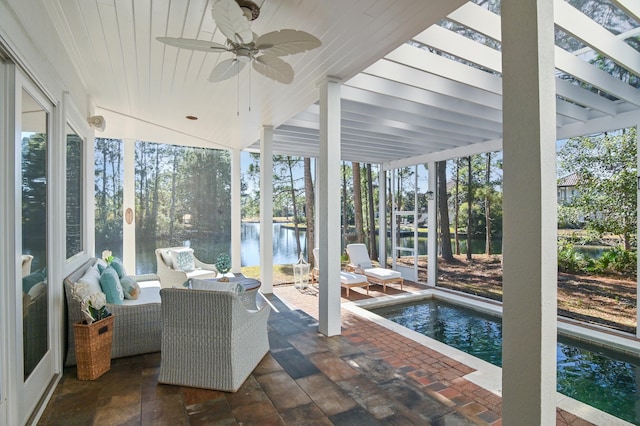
x: 591, y: 374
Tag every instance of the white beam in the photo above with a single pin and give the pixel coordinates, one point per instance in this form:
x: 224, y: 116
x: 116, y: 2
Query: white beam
x: 128, y: 203
x: 432, y: 227
x: 236, y: 212
x: 266, y: 209
x: 576, y: 23
x: 630, y: 7
x: 584, y: 71
x: 463, y: 151
x: 530, y: 216
x: 478, y: 19
x: 329, y: 199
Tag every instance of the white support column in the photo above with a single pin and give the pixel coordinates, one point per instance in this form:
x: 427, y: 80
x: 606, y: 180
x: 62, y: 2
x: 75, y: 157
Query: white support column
x: 382, y: 215
x: 236, y: 211
x: 432, y: 227
x: 266, y: 209
x: 328, y: 210
x: 530, y: 214
x: 128, y: 207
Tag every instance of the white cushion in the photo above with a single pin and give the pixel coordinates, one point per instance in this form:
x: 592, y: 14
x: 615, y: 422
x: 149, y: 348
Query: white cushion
x: 359, y: 256
x: 150, y: 293
x: 92, y: 279
x: 202, y: 273
x: 351, y: 278
x: 382, y: 273
x: 166, y: 256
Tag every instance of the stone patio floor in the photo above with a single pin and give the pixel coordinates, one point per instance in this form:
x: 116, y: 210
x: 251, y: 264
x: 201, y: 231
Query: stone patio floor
x: 367, y: 376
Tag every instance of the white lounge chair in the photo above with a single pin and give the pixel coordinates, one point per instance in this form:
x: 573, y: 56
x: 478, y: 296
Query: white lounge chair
x: 360, y: 262
x: 347, y: 279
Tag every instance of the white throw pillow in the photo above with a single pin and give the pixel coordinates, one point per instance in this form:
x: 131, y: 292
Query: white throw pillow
x: 92, y: 279
x: 166, y: 256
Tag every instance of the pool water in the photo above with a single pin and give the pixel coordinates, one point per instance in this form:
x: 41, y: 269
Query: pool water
x: 591, y: 374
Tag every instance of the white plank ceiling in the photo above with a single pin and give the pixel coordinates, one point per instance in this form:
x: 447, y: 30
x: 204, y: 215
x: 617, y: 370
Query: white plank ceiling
x: 415, y: 86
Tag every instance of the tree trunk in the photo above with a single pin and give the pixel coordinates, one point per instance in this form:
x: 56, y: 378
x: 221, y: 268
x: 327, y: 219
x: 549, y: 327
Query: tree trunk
x: 172, y: 208
x: 156, y: 195
x: 344, y: 204
x: 309, y: 206
x: 295, y: 206
x: 357, y: 202
x: 373, y: 247
x: 443, y: 208
x: 457, y: 208
x: 487, y: 206
x: 469, y: 200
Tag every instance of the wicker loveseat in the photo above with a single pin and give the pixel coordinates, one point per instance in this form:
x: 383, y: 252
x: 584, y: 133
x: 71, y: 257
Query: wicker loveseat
x: 137, y: 325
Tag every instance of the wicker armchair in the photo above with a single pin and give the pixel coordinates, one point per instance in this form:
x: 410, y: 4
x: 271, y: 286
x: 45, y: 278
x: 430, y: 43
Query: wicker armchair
x: 209, y: 339
x: 170, y: 277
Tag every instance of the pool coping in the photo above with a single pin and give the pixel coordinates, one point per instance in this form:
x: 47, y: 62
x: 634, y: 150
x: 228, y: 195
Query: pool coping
x: 487, y: 375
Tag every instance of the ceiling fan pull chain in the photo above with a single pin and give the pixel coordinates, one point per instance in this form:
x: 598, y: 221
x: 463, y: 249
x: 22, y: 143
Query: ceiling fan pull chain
x: 250, y: 74
x: 238, y: 95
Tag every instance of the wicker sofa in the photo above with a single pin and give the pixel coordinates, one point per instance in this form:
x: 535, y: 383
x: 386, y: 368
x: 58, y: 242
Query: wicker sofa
x: 137, y: 328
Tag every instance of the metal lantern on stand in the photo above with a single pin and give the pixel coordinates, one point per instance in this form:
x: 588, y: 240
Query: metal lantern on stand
x: 301, y: 273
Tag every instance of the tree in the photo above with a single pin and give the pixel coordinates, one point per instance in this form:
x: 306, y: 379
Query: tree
x: 309, y: 204
x: 607, y: 168
x: 357, y: 202
x: 443, y: 209
x: 373, y: 248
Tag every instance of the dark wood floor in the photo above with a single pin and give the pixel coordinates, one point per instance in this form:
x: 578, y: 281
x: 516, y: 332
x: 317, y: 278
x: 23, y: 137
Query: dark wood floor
x: 305, y: 379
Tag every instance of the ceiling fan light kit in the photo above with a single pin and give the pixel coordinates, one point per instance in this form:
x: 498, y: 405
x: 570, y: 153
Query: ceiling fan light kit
x: 233, y: 19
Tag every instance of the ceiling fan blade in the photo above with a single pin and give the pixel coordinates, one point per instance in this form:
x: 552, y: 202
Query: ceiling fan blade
x: 231, y: 21
x: 274, y: 68
x: 193, y: 44
x: 226, y: 69
x: 287, y: 42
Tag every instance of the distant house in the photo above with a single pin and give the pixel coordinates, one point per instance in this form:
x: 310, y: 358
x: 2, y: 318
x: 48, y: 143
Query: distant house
x: 567, y: 188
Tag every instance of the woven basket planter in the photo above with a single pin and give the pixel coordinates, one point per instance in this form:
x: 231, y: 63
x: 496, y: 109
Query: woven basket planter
x: 93, y: 347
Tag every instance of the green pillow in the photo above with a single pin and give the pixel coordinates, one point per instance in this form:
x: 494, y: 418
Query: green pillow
x: 118, y: 266
x: 111, y: 286
x: 130, y: 287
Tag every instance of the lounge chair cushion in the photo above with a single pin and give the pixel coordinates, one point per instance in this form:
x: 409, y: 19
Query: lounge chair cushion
x: 351, y: 278
x: 382, y: 273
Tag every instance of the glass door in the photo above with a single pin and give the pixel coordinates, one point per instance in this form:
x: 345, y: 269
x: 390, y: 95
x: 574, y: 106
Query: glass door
x: 33, y: 305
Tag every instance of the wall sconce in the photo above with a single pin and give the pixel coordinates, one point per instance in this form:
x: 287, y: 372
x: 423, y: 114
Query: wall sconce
x: 431, y: 195
x: 97, y: 121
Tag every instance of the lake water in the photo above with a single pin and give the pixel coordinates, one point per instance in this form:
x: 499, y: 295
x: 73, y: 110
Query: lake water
x: 284, y: 247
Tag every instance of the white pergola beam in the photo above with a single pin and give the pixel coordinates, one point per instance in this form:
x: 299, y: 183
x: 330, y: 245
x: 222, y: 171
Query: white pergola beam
x: 439, y: 65
x: 478, y: 19
x: 462, y: 47
x: 591, y: 74
x: 419, y: 78
x: 463, y: 151
x: 576, y: 23
x: 630, y: 7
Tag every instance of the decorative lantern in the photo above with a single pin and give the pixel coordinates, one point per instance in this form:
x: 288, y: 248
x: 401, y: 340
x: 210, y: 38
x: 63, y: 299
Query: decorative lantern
x: 301, y: 273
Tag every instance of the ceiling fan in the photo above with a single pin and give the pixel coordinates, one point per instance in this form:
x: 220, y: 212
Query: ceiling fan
x: 233, y: 19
